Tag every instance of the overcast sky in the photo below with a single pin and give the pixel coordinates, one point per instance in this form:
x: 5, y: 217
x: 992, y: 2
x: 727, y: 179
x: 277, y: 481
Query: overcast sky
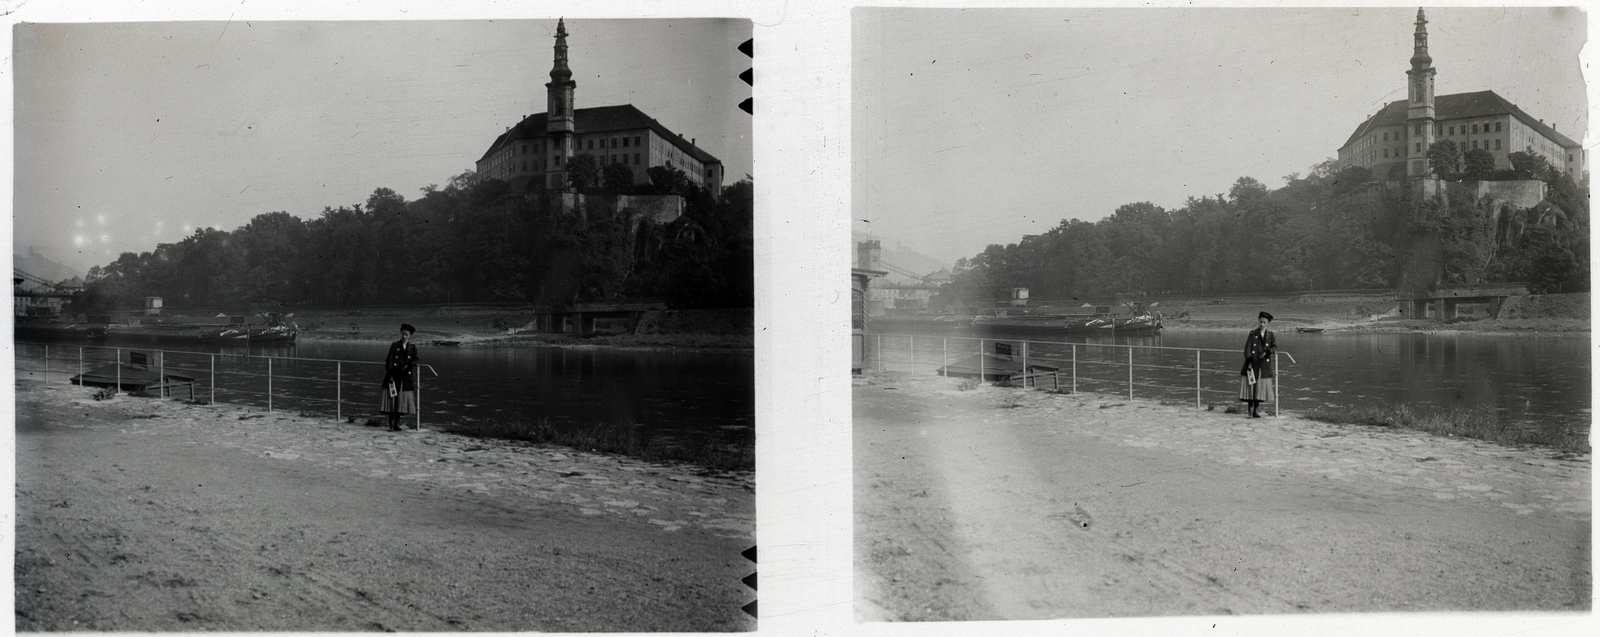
x: 974, y: 127
x: 133, y: 134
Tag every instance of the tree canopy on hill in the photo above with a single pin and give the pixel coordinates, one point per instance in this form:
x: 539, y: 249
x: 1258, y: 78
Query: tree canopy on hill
x: 1328, y: 230
x: 461, y: 243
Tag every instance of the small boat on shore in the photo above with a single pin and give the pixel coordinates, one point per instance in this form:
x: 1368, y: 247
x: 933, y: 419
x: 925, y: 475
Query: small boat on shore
x: 136, y: 380
x: 1309, y: 330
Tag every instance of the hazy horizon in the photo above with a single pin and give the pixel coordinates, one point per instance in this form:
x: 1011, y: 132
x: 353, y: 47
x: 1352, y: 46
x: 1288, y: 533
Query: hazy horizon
x: 980, y: 126
x: 138, y: 133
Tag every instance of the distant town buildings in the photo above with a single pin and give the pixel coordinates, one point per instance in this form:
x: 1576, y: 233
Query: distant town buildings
x: 894, y: 287
x: 1394, y: 143
x: 535, y: 154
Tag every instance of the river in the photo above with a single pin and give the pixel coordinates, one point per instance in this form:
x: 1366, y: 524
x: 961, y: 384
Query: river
x: 1532, y: 378
x: 662, y: 392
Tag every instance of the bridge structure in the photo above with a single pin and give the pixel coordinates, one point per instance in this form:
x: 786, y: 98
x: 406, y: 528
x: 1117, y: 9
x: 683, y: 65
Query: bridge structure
x: 1444, y: 303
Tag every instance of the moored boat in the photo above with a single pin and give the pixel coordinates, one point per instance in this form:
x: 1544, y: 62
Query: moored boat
x: 273, y: 334
x: 55, y: 331
x: 188, y: 333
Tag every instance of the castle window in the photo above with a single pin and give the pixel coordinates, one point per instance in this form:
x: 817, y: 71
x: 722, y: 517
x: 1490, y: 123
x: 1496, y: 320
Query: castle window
x: 1474, y: 144
x: 624, y: 142
x: 524, y: 149
x: 1452, y: 131
x: 613, y: 142
x: 591, y: 144
x: 636, y: 158
x: 624, y: 159
x: 524, y: 166
x: 1419, y: 147
x: 1497, y: 126
x: 636, y: 141
x: 1474, y: 131
x: 558, y: 160
x: 1385, y: 153
x: 1385, y: 137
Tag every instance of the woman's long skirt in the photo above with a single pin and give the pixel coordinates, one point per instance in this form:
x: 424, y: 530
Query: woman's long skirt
x: 1264, y: 389
x: 404, y: 402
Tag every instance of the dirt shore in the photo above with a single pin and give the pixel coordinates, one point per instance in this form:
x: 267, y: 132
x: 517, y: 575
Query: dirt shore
x: 999, y: 503
x: 155, y: 515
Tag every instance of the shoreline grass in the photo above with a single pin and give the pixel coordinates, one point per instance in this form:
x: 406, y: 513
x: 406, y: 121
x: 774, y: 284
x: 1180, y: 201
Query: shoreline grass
x: 620, y: 438
x: 1481, y: 423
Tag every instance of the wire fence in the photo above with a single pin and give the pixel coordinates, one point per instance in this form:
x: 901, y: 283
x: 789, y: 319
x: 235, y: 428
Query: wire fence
x: 1144, y: 371
x: 305, y: 385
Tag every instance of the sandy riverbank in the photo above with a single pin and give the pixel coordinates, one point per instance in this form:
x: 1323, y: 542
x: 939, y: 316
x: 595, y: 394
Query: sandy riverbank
x: 999, y: 503
x: 155, y: 515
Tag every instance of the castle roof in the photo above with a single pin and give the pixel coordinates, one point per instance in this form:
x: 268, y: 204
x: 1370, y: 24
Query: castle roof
x: 599, y: 119
x: 1458, y: 106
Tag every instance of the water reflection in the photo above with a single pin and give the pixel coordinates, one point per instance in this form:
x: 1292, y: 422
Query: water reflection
x: 661, y: 392
x: 1528, y: 377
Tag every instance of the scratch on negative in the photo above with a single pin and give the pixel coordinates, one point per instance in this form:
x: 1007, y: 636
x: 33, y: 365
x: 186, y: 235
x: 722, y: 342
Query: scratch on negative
x: 224, y: 29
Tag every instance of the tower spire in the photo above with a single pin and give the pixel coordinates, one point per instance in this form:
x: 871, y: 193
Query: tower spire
x: 1419, y: 54
x: 559, y: 72
x: 559, y: 124
x: 1420, y: 124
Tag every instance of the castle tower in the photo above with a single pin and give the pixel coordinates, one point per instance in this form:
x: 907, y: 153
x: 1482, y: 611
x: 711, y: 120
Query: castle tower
x: 1420, y: 127
x: 559, y: 124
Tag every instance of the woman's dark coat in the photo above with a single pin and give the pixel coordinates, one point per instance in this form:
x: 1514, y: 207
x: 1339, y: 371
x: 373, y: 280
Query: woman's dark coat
x: 1258, y: 351
x: 399, y: 366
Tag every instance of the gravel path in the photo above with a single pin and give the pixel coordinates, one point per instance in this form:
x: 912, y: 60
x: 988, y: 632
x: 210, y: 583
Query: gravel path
x: 995, y: 503
x: 150, y: 515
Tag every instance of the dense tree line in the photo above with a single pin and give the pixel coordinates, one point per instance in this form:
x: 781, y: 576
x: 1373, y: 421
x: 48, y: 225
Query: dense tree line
x: 462, y: 243
x: 1328, y: 230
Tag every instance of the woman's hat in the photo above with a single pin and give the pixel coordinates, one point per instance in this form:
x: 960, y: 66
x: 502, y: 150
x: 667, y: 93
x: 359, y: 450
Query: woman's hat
x: 407, y: 328
x: 1266, y: 316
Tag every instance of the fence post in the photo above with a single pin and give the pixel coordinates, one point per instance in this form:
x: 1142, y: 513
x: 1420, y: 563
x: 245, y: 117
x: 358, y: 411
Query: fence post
x: 913, y: 351
x: 1197, y: 379
x: 119, y: 370
x: 418, y: 372
x: 944, y: 358
x: 1024, y: 364
x: 338, y: 390
x: 981, y: 375
x: 1130, y: 372
x: 1074, y: 369
x: 213, y: 379
x: 47, y: 364
x: 269, y: 384
x: 162, y: 382
x: 1277, y: 384
x: 80, y: 368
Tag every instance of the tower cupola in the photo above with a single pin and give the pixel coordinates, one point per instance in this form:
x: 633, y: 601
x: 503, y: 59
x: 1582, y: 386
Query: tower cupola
x: 1419, y: 54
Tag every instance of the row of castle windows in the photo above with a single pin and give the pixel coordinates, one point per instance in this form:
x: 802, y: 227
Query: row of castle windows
x: 1440, y: 129
x: 1397, y: 151
x: 637, y: 140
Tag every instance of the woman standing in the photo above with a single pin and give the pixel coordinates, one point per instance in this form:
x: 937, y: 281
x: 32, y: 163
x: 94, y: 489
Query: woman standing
x: 1257, y: 379
x: 399, y: 386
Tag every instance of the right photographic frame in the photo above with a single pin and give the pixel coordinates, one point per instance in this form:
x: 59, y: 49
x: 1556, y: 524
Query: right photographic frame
x: 1167, y: 312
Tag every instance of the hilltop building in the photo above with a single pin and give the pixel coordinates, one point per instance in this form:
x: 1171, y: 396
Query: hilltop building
x: 1394, y: 143
x: 534, y: 154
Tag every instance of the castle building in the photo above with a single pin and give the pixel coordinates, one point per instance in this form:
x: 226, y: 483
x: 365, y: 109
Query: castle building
x: 534, y: 154
x: 1394, y: 143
